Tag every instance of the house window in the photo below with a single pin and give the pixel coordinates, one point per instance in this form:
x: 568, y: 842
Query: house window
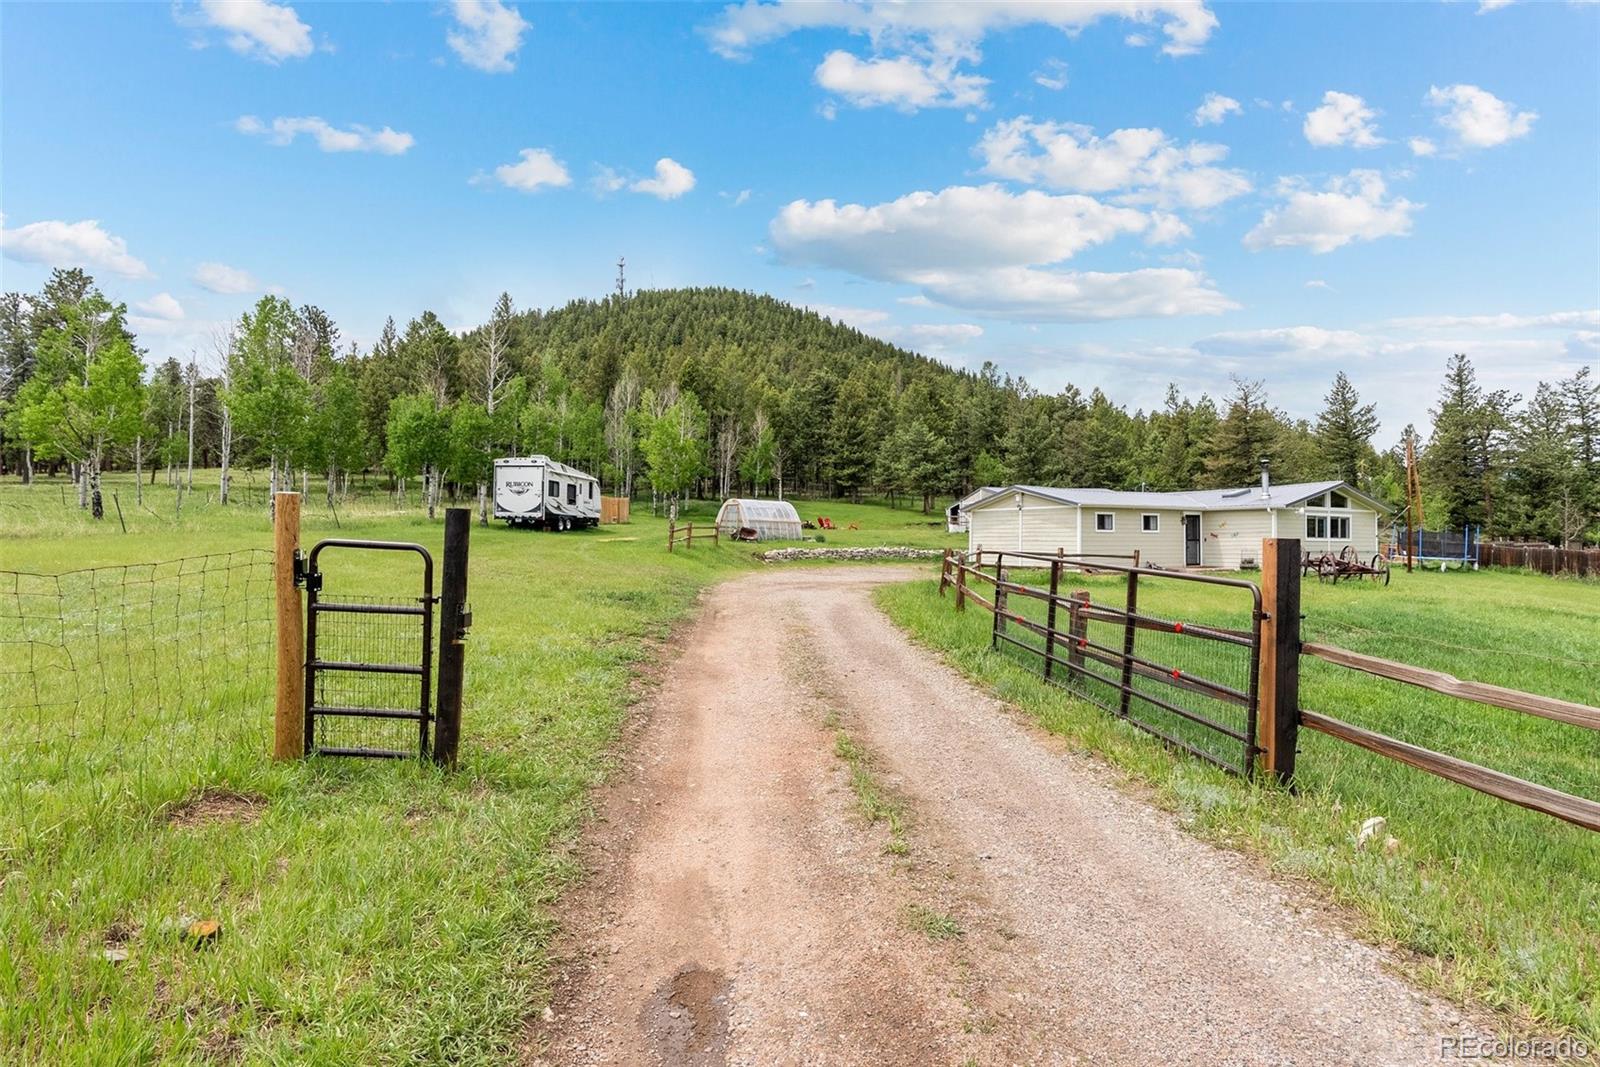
x: 1319, y: 501
x: 1151, y: 523
x: 1105, y: 521
x: 1339, y: 500
x: 1328, y: 527
x: 555, y: 490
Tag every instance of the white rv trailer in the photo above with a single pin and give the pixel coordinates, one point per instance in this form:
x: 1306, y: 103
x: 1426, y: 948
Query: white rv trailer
x: 537, y: 491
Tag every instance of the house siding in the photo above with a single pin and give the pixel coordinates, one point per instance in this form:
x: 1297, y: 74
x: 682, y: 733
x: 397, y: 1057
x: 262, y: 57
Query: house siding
x: 1228, y: 538
x: 1164, y: 547
x: 1045, y: 527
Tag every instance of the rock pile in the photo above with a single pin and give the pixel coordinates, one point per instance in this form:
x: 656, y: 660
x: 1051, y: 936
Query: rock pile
x: 789, y: 555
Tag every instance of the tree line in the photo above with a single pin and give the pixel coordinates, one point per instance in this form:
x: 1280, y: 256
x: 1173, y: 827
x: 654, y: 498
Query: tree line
x: 692, y: 392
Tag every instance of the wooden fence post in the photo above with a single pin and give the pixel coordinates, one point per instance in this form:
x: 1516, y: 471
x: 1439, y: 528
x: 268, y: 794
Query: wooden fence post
x: 1050, y: 620
x: 1278, y: 704
x: 944, y: 572
x: 999, y: 602
x: 288, y: 732
x: 1078, y: 632
x: 672, y: 533
x: 961, y: 585
x: 1128, y: 631
x: 452, y: 636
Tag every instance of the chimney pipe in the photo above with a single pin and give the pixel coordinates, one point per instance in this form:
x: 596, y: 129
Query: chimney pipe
x: 1266, y: 482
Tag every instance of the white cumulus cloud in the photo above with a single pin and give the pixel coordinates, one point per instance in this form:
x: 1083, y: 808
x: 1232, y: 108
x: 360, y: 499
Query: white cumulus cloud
x: 672, y: 180
x: 901, y: 82
x: 950, y: 27
x: 329, y: 138
x: 1145, y: 165
x: 70, y: 244
x: 1422, y: 146
x: 221, y: 278
x: 988, y: 250
x: 918, y: 47
x: 487, y: 34
x: 1052, y: 75
x: 161, y: 306
x: 1214, y: 108
x: 1343, y: 119
x: 1477, y: 117
x: 258, y: 29
x: 1356, y: 207
x: 536, y: 168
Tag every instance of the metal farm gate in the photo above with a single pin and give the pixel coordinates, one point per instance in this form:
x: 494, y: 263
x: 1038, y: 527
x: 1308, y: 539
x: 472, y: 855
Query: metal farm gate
x: 369, y: 663
x: 357, y: 672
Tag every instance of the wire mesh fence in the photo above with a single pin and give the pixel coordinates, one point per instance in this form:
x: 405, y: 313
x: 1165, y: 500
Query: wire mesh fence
x: 383, y: 707
x: 125, y: 676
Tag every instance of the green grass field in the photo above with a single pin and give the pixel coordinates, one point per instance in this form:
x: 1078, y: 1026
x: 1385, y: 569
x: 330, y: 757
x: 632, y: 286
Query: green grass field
x: 1492, y: 902
x: 371, y: 912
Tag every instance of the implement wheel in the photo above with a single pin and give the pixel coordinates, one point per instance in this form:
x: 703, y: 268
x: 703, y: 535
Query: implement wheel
x: 1380, y: 570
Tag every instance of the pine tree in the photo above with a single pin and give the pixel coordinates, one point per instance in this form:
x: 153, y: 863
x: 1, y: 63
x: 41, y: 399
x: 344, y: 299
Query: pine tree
x: 1345, y: 429
x: 1248, y: 434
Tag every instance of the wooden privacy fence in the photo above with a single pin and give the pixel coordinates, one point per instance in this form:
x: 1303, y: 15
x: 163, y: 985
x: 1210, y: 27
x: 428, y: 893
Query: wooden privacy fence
x: 1547, y: 559
x: 685, y: 535
x: 613, y: 510
x: 1266, y: 714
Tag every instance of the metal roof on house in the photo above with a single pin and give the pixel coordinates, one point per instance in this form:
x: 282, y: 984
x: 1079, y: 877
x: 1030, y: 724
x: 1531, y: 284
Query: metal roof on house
x: 1248, y: 498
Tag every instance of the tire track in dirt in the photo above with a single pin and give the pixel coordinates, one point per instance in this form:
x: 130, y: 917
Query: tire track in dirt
x: 740, y: 911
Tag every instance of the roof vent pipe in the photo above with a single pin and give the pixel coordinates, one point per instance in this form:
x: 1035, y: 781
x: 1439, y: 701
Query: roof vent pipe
x: 1266, y: 482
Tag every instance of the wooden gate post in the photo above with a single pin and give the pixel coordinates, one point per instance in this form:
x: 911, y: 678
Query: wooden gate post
x: 1278, y: 705
x: 1077, y: 632
x: 453, y: 622
x: 289, y: 724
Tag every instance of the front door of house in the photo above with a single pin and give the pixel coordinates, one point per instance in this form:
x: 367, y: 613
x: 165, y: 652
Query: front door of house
x: 1191, y: 540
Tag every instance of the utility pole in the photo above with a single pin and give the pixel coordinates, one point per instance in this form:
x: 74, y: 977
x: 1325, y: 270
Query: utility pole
x: 622, y: 278
x: 1414, y: 517
x: 194, y: 375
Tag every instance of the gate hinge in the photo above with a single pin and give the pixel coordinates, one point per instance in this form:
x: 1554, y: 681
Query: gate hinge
x: 304, y: 576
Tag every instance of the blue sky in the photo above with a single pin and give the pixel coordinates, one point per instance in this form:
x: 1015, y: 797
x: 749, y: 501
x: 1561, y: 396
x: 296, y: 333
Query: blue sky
x: 1371, y: 187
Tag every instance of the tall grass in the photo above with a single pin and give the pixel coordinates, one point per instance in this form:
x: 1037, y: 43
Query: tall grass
x: 371, y: 912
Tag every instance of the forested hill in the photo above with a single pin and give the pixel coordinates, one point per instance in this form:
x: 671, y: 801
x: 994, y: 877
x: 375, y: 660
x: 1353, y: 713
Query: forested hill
x: 717, y: 391
x: 706, y: 340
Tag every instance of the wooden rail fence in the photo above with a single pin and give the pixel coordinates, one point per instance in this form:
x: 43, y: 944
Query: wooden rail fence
x: 1276, y: 652
x: 685, y: 535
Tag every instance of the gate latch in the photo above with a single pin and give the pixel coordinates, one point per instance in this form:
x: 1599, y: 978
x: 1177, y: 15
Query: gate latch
x: 466, y: 622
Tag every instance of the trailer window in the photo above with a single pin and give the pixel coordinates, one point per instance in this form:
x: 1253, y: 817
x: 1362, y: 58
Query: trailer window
x: 572, y: 492
x: 591, y: 490
x: 555, y: 490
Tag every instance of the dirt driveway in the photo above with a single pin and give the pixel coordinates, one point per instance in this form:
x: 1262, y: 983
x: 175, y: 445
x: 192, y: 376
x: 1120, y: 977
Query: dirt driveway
x: 742, y: 910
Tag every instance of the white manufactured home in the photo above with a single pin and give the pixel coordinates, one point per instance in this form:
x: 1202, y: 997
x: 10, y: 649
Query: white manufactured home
x: 1220, y: 528
x: 538, y: 491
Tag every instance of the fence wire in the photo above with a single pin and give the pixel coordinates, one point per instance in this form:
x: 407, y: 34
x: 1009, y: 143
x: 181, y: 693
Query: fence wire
x: 119, y: 675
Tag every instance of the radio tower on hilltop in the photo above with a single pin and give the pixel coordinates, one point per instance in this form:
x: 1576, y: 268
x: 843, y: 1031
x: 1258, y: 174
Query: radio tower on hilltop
x: 622, y: 278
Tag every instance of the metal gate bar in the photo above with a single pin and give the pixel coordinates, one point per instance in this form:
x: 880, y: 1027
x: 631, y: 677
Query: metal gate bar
x: 315, y: 665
